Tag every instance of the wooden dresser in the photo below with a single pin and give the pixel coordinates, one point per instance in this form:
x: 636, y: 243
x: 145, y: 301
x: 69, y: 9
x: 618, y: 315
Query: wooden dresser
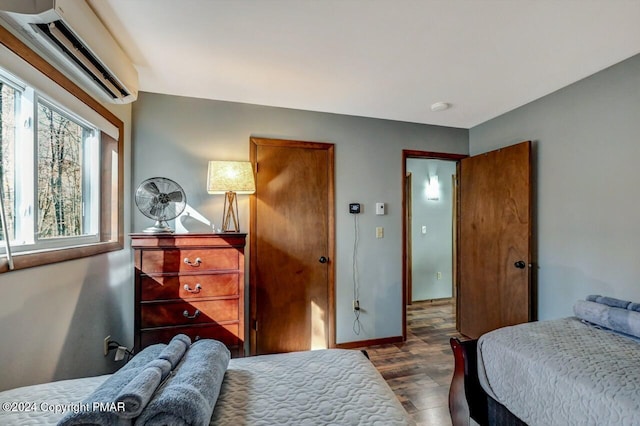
x: 191, y: 284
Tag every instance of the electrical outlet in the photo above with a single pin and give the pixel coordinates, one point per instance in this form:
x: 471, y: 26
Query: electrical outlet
x: 438, y: 275
x: 356, y: 305
x: 105, y: 348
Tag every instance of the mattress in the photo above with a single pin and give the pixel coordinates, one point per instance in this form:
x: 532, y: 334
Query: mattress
x: 562, y: 372
x: 47, y: 403
x: 327, y: 387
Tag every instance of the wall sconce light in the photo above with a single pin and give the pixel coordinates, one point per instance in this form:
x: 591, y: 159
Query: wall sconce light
x: 230, y: 178
x: 432, y: 189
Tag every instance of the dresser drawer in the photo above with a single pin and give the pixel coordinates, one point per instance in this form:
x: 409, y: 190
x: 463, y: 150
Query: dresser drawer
x: 227, y: 334
x: 188, y: 260
x: 185, y: 313
x: 199, y: 286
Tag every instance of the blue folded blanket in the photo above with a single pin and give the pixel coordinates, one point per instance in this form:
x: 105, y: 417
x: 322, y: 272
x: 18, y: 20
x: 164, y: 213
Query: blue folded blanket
x: 189, y: 395
x: 617, y: 319
x: 107, y: 392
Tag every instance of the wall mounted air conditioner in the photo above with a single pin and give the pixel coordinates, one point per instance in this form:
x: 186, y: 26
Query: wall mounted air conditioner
x: 74, y: 39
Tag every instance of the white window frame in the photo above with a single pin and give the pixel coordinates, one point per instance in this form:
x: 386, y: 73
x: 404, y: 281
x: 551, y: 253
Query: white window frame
x: 53, y: 84
x: 26, y: 169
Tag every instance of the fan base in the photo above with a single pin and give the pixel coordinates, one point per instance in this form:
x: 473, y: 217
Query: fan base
x: 160, y: 227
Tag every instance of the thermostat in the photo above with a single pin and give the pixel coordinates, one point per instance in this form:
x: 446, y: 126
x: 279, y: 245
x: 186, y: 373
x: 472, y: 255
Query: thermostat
x: 354, y: 208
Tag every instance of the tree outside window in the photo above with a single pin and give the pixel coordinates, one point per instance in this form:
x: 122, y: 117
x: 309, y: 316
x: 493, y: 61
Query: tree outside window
x: 7, y: 148
x: 49, y: 173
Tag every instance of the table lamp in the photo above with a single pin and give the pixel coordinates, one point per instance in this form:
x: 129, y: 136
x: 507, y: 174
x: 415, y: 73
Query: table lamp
x: 230, y: 178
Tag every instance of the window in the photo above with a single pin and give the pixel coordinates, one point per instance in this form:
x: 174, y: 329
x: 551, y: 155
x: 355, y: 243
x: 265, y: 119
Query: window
x: 60, y: 174
x: 67, y: 158
x: 50, y: 163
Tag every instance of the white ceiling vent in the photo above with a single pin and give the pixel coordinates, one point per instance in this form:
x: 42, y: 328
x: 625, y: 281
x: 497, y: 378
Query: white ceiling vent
x: 70, y: 34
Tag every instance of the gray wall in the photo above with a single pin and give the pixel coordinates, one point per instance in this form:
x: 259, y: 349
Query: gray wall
x: 586, y: 148
x: 432, y: 252
x: 53, y: 318
x: 174, y: 137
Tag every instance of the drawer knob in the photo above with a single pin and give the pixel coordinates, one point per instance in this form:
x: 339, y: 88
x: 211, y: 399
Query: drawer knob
x: 195, y: 263
x: 195, y: 290
x: 195, y: 314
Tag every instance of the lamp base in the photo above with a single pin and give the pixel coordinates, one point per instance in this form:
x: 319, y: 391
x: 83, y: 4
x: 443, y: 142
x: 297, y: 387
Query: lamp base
x: 230, y: 213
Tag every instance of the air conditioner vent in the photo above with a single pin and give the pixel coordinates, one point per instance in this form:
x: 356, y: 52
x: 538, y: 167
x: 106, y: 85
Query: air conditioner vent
x: 72, y: 38
x: 64, y: 39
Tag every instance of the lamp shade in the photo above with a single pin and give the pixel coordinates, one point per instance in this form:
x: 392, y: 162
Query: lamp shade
x: 230, y: 176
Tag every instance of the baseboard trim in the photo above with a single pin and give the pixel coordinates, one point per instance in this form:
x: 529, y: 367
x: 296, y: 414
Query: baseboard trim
x: 370, y: 342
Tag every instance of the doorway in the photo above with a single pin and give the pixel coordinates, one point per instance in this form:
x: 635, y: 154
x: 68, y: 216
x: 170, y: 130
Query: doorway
x: 492, y: 247
x: 429, y: 227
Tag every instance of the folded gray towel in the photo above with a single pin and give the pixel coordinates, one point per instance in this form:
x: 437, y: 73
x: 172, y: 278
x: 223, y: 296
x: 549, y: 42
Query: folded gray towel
x: 593, y: 312
x: 138, y: 392
x: 609, y: 301
x: 106, y: 393
x: 175, y: 349
x: 188, y: 396
x: 625, y: 321
x: 617, y: 319
x: 634, y: 307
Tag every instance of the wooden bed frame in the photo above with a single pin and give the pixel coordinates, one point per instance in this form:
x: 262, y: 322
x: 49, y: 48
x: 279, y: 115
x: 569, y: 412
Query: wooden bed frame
x: 467, y: 399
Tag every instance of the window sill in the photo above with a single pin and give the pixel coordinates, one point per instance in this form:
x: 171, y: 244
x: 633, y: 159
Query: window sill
x: 46, y: 257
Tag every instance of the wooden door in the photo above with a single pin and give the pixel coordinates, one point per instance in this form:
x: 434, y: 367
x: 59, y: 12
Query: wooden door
x: 292, y: 246
x: 495, y: 240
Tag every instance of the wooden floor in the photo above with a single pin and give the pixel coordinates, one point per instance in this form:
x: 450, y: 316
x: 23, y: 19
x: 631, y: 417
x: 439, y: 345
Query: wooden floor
x: 419, y: 370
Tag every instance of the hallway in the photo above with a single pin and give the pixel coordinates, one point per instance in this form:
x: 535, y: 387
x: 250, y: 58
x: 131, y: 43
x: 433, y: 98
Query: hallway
x: 419, y: 370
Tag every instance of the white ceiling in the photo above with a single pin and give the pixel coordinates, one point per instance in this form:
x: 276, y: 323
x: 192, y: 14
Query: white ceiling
x: 375, y: 58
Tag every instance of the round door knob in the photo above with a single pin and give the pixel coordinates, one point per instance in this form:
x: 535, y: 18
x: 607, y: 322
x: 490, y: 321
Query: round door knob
x: 323, y: 259
x: 520, y: 264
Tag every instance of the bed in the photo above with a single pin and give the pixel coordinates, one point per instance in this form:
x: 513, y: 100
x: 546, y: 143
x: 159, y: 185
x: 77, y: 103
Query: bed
x: 559, y: 372
x: 334, y: 386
